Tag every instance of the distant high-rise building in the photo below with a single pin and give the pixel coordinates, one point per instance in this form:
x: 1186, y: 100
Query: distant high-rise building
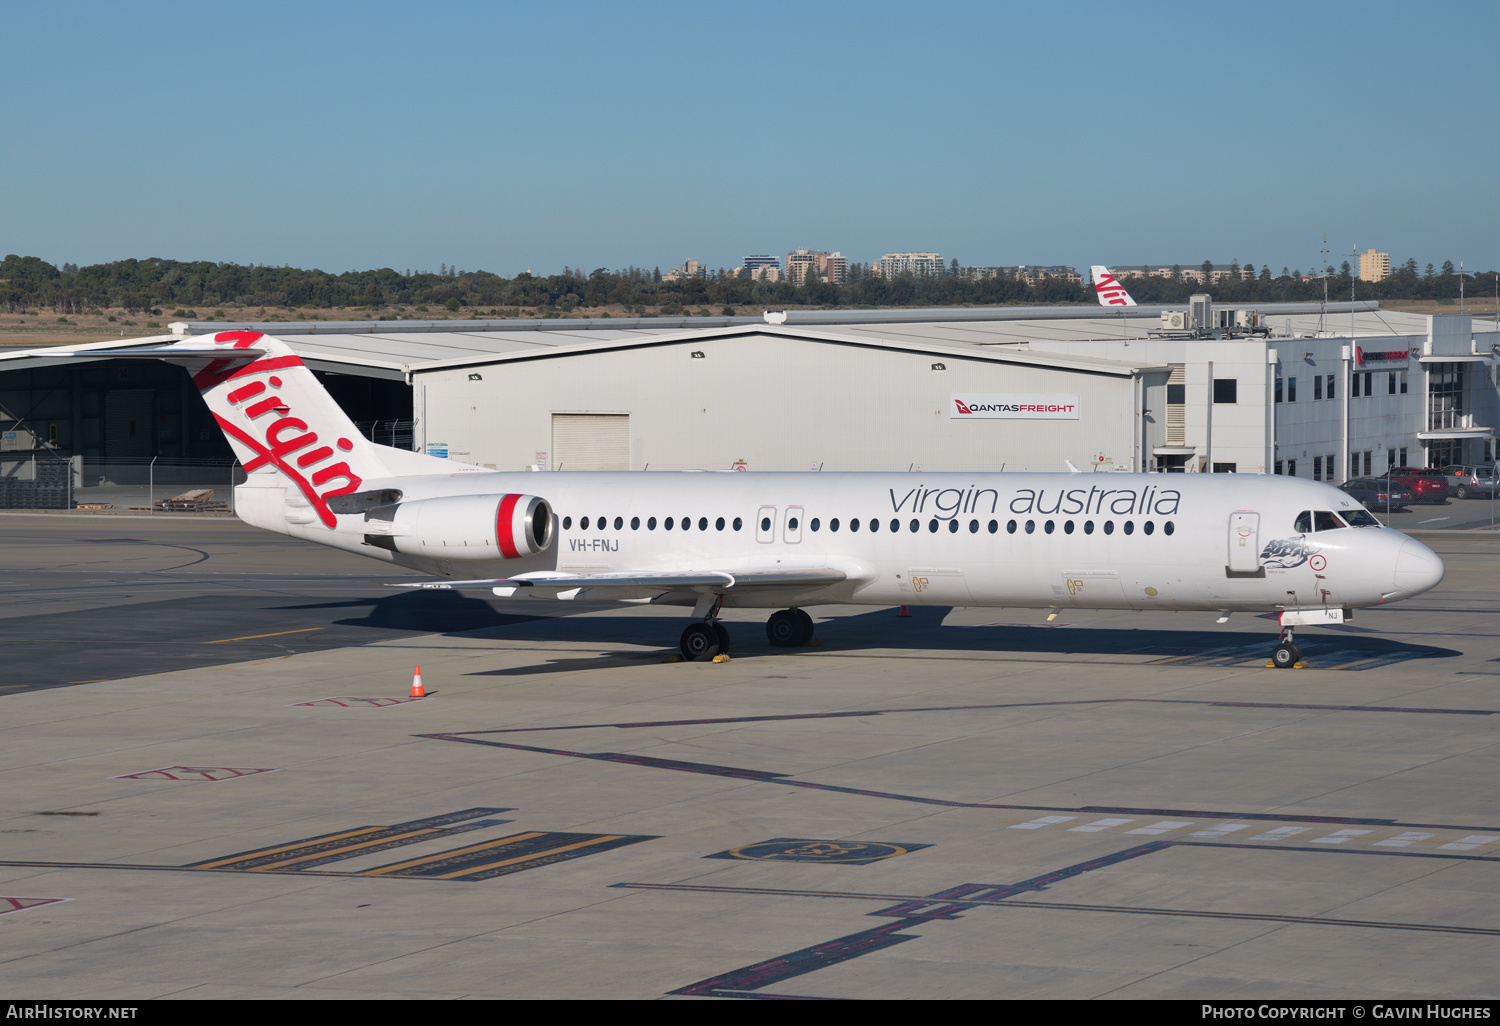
x: 919, y: 264
x: 982, y: 273
x: 754, y: 263
x: 1374, y: 266
x: 1033, y: 274
x: 830, y: 267
x: 689, y: 269
x: 1183, y: 272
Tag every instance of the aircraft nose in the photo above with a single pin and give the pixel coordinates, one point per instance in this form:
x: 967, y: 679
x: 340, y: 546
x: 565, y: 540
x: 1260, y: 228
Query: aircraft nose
x: 1418, y: 568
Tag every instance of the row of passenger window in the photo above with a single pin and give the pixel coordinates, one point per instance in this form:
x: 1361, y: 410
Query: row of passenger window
x: 915, y: 525
x: 1068, y: 526
x: 685, y: 524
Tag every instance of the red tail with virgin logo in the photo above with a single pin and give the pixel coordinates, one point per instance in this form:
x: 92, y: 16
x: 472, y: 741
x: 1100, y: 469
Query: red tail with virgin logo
x: 279, y: 418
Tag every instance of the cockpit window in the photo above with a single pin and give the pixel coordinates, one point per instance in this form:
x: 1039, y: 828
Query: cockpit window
x: 1360, y: 518
x: 1326, y: 520
x: 1303, y: 523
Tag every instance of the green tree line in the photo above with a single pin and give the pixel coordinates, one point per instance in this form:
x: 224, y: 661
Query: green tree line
x: 157, y: 285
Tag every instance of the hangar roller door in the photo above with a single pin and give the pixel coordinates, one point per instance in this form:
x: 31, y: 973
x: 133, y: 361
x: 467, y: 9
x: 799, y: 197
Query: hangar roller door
x: 129, y: 419
x: 591, y: 441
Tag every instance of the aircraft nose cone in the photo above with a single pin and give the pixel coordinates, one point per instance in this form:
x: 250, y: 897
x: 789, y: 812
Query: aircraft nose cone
x: 1418, y: 568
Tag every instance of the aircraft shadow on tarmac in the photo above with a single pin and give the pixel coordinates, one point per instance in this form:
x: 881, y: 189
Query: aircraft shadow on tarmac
x: 924, y: 631
x: 428, y: 612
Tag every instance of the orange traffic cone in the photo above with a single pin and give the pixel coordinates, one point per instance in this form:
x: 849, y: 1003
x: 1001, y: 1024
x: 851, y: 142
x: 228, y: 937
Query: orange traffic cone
x: 416, y: 684
x: 903, y: 611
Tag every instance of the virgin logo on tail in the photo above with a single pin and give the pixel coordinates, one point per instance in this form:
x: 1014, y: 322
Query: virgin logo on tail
x: 283, y: 435
x: 1108, y: 288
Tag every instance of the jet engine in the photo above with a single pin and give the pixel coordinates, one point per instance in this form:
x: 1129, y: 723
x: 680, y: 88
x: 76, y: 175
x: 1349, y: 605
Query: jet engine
x: 464, y: 527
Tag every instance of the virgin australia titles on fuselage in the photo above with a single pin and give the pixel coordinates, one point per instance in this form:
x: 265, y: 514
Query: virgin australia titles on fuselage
x: 1109, y: 541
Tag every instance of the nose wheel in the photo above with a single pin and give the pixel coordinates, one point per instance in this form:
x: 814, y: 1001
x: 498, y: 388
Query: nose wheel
x: 1286, y: 654
x: 789, y: 628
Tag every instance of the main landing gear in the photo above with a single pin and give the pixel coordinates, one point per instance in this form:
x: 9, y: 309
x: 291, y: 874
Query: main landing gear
x: 1286, y: 654
x: 704, y: 639
x: 789, y: 628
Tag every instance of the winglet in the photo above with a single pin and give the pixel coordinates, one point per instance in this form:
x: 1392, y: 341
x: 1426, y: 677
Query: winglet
x: 1108, y: 288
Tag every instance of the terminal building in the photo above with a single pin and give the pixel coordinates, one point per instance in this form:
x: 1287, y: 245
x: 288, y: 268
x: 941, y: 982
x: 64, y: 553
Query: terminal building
x: 1324, y: 393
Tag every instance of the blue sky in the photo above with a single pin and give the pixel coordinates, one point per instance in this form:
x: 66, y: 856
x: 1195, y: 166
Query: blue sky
x: 508, y: 136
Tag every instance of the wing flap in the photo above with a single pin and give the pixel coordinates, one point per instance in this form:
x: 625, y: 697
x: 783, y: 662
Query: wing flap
x: 645, y: 580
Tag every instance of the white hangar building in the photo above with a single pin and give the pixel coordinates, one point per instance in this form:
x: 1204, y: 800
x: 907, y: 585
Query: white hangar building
x: 957, y: 389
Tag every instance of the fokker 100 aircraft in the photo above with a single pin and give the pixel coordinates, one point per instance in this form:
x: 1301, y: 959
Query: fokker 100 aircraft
x: 786, y: 541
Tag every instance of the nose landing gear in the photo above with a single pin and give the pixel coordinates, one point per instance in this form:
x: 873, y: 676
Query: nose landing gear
x: 789, y: 628
x: 1286, y: 654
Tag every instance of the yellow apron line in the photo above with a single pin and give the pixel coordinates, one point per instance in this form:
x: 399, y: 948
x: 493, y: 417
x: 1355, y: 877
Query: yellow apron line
x: 410, y: 835
x: 484, y: 846
x: 527, y: 858
x: 252, y: 637
x: 277, y: 849
x: 1356, y: 662
x: 1171, y: 659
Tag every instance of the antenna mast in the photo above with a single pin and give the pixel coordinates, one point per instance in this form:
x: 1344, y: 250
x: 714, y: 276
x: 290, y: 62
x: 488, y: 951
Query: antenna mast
x: 1323, y: 273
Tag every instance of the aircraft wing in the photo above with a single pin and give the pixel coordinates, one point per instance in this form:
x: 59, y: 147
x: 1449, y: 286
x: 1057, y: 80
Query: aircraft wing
x: 637, y: 581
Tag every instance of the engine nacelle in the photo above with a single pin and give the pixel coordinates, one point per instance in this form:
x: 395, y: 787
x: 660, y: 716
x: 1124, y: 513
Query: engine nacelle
x: 469, y: 527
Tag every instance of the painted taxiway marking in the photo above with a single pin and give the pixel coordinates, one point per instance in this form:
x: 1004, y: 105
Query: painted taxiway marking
x: 1037, y: 824
x: 274, y: 634
x: 9, y: 905
x: 1471, y: 842
x: 347, y: 702
x: 915, y: 911
x: 1099, y: 824
x: 1061, y: 906
x: 1161, y: 827
x: 1339, y: 836
x: 1402, y: 840
x: 1240, y: 820
x: 483, y: 861
x: 1220, y: 830
x: 194, y: 774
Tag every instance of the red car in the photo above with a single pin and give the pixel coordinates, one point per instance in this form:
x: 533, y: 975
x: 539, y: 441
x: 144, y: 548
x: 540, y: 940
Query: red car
x: 1425, y: 483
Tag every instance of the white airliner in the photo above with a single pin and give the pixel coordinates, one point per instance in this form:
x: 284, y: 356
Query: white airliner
x: 1108, y: 288
x: 1218, y: 542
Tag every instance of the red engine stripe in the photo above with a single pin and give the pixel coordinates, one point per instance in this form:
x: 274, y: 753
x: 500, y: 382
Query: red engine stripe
x: 503, y: 521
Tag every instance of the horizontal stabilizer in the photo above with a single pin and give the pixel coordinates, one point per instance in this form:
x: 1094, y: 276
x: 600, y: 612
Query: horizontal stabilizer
x: 179, y: 352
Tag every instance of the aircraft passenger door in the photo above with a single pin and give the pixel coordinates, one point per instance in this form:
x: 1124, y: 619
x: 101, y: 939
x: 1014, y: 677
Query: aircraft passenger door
x: 792, y: 531
x: 1244, y: 542
x: 765, y: 524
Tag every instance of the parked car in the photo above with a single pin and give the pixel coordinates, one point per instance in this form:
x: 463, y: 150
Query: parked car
x: 1427, y: 484
x: 1375, y: 493
x: 1471, y: 480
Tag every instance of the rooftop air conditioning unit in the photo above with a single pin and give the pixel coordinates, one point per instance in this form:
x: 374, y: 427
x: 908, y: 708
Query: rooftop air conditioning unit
x: 1174, y: 320
x: 1201, y: 309
x: 1246, y: 319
